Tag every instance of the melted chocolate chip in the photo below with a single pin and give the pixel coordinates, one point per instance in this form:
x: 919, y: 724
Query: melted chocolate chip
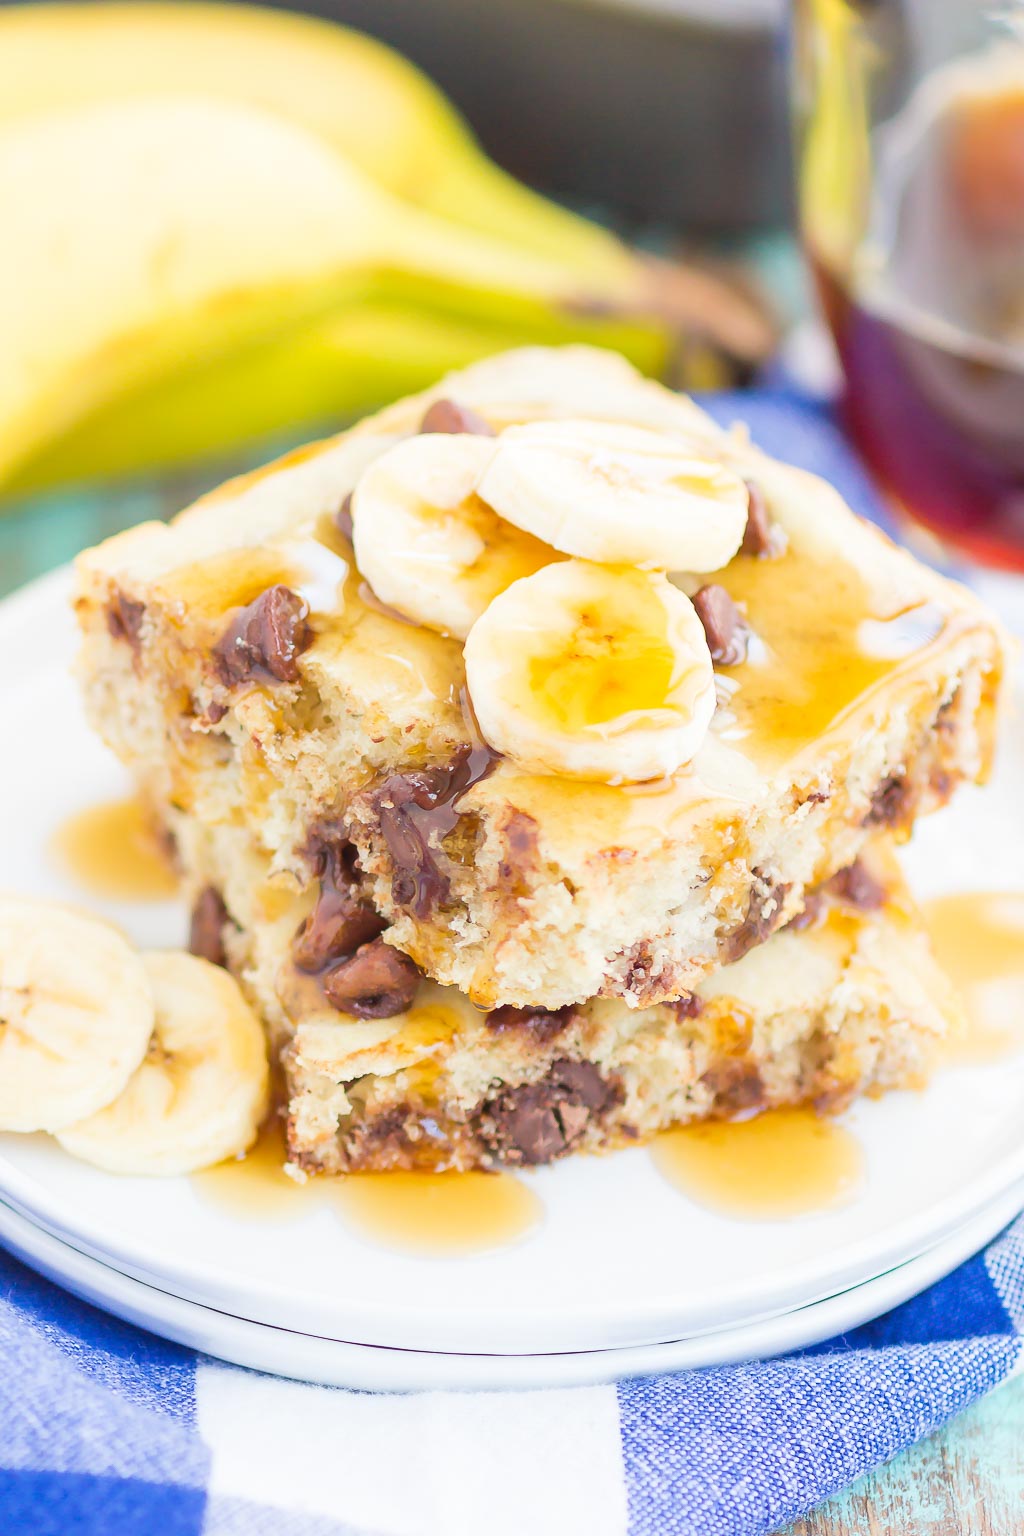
x: 858, y: 886
x: 762, y: 918
x: 331, y: 852
x: 812, y: 913
x: 340, y: 920
x: 343, y: 518
x: 724, y: 627
x: 737, y: 1087
x: 540, y: 1121
x: 757, y: 536
x: 376, y: 982
x: 449, y: 416
x: 206, y: 931
x: 338, y: 924
x: 540, y: 1024
x: 417, y: 810
x: 890, y: 804
x: 124, y: 619
x: 265, y: 639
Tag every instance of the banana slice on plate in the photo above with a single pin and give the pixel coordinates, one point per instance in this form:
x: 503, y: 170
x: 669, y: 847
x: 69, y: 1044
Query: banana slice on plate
x: 201, y: 1091
x: 425, y: 541
x: 600, y: 672
x: 617, y: 494
x: 76, y: 1014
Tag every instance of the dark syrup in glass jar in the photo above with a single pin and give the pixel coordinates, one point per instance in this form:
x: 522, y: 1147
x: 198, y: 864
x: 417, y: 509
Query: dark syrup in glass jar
x: 930, y: 328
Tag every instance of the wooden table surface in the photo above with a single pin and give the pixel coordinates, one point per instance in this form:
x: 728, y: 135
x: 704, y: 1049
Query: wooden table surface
x: 968, y: 1480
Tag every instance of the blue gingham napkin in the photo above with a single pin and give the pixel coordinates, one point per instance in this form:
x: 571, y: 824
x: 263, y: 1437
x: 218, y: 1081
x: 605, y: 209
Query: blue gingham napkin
x: 108, y: 1431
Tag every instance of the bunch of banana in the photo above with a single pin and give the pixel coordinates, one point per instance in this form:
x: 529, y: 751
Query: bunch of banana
x: 144, y: 1064
x: 220, y: 221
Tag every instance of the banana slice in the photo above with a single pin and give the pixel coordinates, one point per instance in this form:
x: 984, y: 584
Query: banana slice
x: 202, y: 1090
x: 601, y: 672
x: 76, y: 1014
x: 425, y: 541
x: 617, y: 494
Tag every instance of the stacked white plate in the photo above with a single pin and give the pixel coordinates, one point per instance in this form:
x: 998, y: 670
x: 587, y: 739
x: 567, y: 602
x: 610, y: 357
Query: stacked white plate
x: 622, y: 1276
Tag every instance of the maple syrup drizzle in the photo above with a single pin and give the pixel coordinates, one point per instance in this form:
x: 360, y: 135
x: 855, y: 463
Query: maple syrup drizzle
x: 438, y: 1213
x: 256, y: 1186
x: 978, y: 940
x: 429, y: 1214
x: 112, y: 851
x: 785, y: 1162
x: 817, y: 658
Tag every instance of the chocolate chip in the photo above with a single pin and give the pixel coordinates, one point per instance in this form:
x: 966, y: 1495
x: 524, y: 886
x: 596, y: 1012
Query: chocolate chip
x: 340, y: 921
x: 639, y: 966
x: 757, y: 536
x: 343, y: 518
x: 265, y: 638
x: 761, y: 919
x: 206, y: 931
x: 417, y: 810
x: 376, y: 982
x: 530, y: 1126
x: 522, y: 841
x: 540, y: 1024
x: 338, y: 924
x: 448, y: 416
x: 890, y: 804
x: 572, y: 1119
x: 583, y: 1080
x: 813, y: 912
x: 724, y: 627
x: 737, y: 1086
x: 858, y: 886
x: 331, y: 852
x: 383, y: 1141
x: 418, y: 881
x: 689, y: 1006
x: 537, y: 1122
x: 124, y: 619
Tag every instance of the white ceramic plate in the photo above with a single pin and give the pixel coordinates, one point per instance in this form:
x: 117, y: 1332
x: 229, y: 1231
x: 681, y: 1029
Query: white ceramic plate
x: 621, y: 1259
x: 371, y: 1368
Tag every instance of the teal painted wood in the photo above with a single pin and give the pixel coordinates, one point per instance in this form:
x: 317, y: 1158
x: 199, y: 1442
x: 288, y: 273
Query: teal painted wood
x: 49, y: 530
x: 967, y: 1480
x: 39, y: 534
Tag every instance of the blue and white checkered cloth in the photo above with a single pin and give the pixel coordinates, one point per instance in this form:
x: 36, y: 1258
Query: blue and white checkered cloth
x: 108, y: 1431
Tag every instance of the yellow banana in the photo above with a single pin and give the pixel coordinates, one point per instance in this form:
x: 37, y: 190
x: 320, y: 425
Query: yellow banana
x: 358, y: 96
x: 221, y: 222
x: 325, y: 369
x: 144, y: 238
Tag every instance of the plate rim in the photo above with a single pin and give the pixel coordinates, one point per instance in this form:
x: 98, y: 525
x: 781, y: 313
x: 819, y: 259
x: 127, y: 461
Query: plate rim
x: 422, y: 1370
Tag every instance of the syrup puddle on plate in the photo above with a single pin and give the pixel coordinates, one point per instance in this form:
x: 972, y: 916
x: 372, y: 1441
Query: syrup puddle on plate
x: 978, y: 939
x: 429, y: 1214
x: 111, y: 850
x: 785, y: 1162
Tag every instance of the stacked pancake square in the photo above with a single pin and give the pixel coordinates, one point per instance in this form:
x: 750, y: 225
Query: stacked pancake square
x: 463, y: 959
